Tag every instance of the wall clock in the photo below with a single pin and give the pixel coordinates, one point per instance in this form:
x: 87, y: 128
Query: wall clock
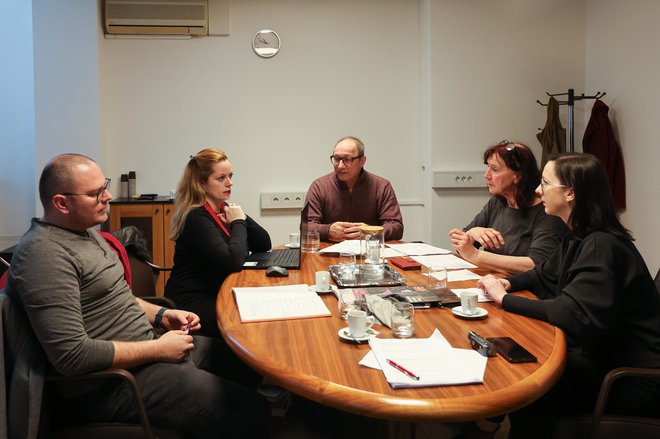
x: 266, y: 43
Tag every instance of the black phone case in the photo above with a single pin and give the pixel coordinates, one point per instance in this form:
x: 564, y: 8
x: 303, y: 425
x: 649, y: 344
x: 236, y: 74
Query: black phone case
x: 511, y: 351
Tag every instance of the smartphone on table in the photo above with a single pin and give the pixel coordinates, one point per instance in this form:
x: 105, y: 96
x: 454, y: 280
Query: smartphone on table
x: 511, y: 350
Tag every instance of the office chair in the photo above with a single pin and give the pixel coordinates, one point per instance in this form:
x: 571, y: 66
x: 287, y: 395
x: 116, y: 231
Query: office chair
x: 605, y: 426
x: 3, y: 276
x: 28, y: 407
x: 144, y: 273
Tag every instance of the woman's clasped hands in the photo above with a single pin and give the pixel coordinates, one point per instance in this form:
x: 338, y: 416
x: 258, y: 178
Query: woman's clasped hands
x: 495, y: 287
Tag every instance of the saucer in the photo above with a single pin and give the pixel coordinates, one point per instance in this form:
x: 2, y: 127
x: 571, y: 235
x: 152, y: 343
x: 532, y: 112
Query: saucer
x: 345, y: 335
x: 480, y: 313
x: 289, y: 245
x: 328, y: 291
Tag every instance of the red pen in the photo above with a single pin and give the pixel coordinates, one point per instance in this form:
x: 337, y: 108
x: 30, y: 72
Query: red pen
x: 402, y: 369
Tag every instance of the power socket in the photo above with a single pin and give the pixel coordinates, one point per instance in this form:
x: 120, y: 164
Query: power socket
x: 458, y: 179
x: 283, y: 200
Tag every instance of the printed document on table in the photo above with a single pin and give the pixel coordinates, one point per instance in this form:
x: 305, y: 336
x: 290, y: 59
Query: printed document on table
x: 459, y: 275
x: 449, y: 261
x: 258, y: 304
x: 418, y: 249
x: 348, y: 246
x: 430, y: 359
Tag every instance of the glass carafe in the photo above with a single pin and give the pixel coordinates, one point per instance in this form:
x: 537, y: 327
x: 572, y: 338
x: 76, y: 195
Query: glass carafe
x: 372, y: 246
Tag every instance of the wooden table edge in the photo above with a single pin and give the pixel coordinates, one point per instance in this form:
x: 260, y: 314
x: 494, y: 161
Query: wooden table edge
x: 369, y: 404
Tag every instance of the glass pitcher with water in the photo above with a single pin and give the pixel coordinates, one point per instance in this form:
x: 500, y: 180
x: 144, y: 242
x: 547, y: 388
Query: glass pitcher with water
x: 372, y: 247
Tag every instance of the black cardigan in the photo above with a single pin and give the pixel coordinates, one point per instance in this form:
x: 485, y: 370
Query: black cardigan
x: 599, y: 291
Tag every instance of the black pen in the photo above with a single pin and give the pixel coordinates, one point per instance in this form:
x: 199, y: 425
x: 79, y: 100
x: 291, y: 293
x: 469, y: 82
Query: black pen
x: 402, y: 369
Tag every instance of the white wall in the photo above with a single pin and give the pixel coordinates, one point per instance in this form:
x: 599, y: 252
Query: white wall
x: 16, y: 121
x: 426, y: 84
x: 66, y: 80
x: 345, y: 67
x: 490, y: 62
x: 623, y: 42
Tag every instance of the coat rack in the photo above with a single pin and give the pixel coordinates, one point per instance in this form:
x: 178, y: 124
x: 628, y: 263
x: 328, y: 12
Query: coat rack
x: 571, y: 103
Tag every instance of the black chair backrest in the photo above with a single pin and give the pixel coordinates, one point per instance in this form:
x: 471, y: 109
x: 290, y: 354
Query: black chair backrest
x: 657, y: 281
x: 23, y: 365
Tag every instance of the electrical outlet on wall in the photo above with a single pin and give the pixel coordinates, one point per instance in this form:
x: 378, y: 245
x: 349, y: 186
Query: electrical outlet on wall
x: 458, y: 179
x: 283, y: 200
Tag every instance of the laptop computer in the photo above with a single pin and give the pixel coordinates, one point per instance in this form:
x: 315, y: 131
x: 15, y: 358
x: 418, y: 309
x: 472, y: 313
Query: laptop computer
x: 288, y: 258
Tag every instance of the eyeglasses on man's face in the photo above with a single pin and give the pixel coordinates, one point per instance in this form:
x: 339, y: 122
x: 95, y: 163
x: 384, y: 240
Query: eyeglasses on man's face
x: 98, y: 194
x: 347, y: 160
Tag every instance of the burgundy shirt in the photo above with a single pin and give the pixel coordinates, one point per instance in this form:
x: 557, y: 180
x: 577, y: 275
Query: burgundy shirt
x: 372, y: 202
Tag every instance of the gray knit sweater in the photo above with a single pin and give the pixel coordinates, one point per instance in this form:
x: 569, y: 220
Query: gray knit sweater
x: 72, y: 288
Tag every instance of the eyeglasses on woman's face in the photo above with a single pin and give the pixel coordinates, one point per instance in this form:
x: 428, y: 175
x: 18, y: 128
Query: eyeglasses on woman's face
x: 98, y: 194
x: 545, y: 186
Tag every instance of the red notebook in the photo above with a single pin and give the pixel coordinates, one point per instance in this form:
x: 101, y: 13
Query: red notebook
x: 405, y: 263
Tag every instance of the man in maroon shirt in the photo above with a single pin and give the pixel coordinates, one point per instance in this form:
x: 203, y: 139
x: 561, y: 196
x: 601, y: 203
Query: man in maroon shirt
x: 344, y: 200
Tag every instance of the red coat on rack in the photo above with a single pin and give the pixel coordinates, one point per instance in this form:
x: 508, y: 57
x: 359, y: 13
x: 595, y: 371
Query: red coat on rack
x: 599, y: 140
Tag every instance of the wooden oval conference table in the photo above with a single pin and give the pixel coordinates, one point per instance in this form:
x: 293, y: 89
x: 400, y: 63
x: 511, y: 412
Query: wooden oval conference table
x: 307, y: 357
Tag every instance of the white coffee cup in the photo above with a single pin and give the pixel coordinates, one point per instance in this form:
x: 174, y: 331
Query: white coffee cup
x: 359, y: 322
x: 294, y: 239
x: 322, y: 280
x: 469, y: 303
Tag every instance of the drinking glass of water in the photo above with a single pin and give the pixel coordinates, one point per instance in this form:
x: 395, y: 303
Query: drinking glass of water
x: 403, y: 319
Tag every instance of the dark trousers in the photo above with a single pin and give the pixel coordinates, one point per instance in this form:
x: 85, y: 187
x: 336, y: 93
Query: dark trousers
x: 204, y: 307
x: 195, y: 396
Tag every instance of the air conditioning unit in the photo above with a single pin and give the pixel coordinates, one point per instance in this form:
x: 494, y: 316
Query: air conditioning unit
x: 185, y: 18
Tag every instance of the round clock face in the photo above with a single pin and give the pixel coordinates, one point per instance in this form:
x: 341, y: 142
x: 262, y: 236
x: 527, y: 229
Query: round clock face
x: 266, y: 43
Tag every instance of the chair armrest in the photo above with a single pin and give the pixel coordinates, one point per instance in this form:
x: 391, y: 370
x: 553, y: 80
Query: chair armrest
x: 157, y: 268
x: 123, y: 374
x: 605, y: 388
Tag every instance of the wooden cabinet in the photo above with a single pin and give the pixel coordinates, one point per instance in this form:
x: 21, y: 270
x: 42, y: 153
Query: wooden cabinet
x: 152, y: 218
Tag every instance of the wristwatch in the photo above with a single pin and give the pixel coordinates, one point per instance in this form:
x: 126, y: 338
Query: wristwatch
x: 158, y: 321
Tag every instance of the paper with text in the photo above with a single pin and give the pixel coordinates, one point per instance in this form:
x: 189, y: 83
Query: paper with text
x: 449, y: 261
x: 432, y: 359
x: 258, y: 304
x: 418, y: 249
x: 460, y: 275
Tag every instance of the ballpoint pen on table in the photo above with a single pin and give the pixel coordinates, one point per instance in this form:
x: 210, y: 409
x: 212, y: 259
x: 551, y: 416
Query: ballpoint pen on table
x: 402, y: 369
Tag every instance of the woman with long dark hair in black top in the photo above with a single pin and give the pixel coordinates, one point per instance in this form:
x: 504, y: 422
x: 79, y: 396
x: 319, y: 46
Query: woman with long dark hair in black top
x: 597, y: 289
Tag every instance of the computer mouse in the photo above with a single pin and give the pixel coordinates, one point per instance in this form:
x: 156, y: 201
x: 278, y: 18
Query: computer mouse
x: 276, y: 270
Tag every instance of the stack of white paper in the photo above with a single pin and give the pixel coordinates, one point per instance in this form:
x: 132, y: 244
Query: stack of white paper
x: 448, y: 261
x: 460, y: 275
x: 418, y: 249
x: 432, y: 359
x: 257, y: 304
